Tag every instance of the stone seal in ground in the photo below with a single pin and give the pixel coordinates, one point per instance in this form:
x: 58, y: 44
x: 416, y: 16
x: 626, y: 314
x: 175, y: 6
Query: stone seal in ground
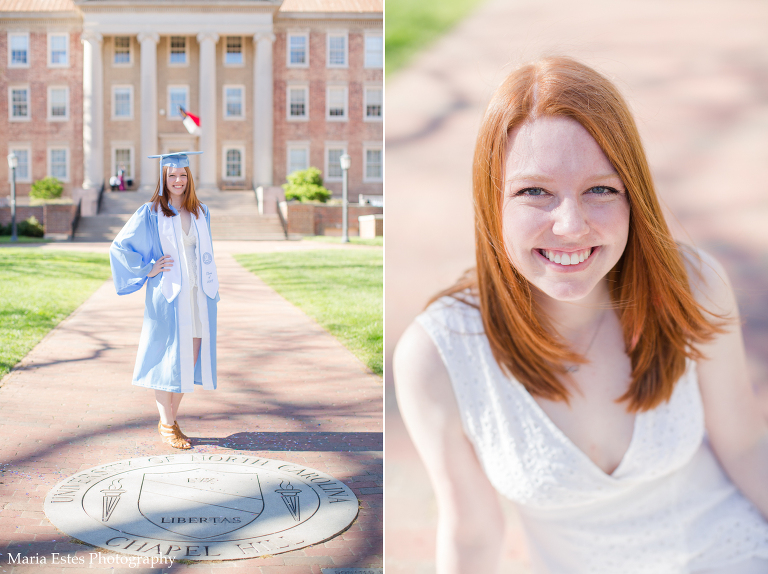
x: 201, y: 506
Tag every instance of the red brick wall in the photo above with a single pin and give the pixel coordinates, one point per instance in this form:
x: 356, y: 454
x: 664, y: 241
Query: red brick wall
x: 58, y: 217
x: 317, y: 130
x: 39, y: 132
x: 314, y: 219
x: 22, y: 212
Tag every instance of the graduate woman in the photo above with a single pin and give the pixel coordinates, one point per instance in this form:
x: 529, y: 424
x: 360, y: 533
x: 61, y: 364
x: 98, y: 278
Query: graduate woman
x: 167, y: 245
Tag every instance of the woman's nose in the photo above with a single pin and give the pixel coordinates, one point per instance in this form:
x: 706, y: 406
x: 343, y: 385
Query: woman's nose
x: 570, y: 219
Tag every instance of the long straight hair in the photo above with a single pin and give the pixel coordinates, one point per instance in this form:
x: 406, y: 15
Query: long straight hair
x: 189, y: 198
x: 660, y: 319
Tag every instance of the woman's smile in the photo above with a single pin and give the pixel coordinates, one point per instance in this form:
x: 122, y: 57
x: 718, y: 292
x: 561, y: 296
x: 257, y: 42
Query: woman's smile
x: 565, y: 209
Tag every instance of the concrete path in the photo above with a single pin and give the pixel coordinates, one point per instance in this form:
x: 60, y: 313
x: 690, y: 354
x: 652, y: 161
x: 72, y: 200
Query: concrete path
x: 695, y: 74
x: 287, y: 390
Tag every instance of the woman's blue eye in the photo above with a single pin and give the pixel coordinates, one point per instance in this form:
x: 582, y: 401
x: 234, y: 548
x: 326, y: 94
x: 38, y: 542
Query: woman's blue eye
x: 531, y: 191
x: 603, y: 190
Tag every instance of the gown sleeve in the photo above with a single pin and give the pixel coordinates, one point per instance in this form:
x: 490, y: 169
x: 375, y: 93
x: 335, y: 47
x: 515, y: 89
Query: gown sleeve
x: 130, y: 255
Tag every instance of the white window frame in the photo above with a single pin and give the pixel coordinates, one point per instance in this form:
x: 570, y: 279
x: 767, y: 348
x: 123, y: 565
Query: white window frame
x: 49, y: 163
x: 327, y: 160
x: 366, y: 117
x: 336, y: 34
x: 65, y: 117
x: 224, y: 51
x: 11, y: 117
x: 10, y: 52
x: 116, y: 145
x: 371, y: 146
x: 173, y: 114
x: 380, y: 36
x: 328, y: 116
x: 294, y: 145
x: 186, y: 52
x: 296, y: 33
x: 224, y: 89
x: 115, y: 117
x: 51, y: 64
x: 127, y: 64
x: 289, y: 117
x: 224, y: 149
x: 14, y: 147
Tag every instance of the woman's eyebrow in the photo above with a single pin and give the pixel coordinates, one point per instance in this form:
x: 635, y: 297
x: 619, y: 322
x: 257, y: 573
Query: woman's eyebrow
x: 540, y: 177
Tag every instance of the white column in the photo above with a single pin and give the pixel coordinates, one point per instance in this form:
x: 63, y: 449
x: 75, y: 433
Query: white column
x: 149, y: 173
x: 208, y: 116
x: 263, y: 123
x: 93, y: 110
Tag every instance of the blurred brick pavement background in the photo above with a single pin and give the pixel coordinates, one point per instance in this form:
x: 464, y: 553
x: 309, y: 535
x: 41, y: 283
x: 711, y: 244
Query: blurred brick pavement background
x: 695, y: 73
x: 287, y: 390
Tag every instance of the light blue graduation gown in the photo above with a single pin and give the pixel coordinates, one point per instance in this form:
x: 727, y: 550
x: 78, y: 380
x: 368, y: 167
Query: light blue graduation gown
x: 132, y: 256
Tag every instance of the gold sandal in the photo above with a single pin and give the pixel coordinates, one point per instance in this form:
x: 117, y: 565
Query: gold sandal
x: 176, y: 424
x: 172, y: 436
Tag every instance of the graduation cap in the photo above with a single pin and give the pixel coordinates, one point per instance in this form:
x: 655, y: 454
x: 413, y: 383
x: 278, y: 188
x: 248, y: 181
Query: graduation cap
x: 175, y: 159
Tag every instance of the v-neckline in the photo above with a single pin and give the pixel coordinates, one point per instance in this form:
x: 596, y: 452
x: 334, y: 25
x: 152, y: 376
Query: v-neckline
x: 557, y: 431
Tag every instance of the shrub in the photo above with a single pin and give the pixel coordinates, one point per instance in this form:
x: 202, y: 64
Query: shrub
x: 306, y: 185
x: 46, y: 188
x: 31, y: 227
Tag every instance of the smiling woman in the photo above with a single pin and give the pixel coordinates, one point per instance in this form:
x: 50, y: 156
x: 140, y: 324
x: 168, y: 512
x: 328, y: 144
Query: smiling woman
x: 589, y: 368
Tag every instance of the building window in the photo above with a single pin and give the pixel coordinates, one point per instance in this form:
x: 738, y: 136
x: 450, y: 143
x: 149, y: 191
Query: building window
x: 333, y: 171
x: 374, y: 51
x: 58, y: 163
x: 58, y: 103
x: 298, y: 53
x: 122, y: 102
x: 298, y: 102
x: 122, y: 50
x: 24, y: 169
x: 373, y: 99
x: 373, y: 164
x: 19, y: 98
x: 177, y: 96
x: 337, y: 50
x: 123, y: 159
x: 18, y: 54
x: 336, y: 103
x: 233, y: 162
x: 234, y: 98
x: 58, y: 50
x: 234, y: 53
x: 298, y: 157
x: 178, y: 50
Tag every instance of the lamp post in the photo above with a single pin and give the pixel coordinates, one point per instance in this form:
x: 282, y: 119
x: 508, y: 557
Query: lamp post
x: 345, y: 162
x: 13, y: 163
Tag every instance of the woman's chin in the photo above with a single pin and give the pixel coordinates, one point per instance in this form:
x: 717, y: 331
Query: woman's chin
x: 566, y: 291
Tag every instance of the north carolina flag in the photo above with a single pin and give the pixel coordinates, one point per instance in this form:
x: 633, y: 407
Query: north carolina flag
x: 190, y: 121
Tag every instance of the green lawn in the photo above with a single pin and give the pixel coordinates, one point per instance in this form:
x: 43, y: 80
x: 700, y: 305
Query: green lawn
x: 37, y: 290
x: 379, y: 241
x: 23, y: 239
x: 341, y: 289
x: 412, y: 26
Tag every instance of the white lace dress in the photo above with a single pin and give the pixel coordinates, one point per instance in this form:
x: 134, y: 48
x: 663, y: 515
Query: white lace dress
x: 667, y: 509
x: 189, y: 255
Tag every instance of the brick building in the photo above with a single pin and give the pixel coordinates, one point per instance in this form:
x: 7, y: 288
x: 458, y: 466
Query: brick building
x: 279, y: 85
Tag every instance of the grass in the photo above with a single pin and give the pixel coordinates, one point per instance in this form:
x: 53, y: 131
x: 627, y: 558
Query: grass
x: 38, y: 289
x: 412, y: 26
x: 23, y: 239
x: 341, y: 289
x: 378, y: 241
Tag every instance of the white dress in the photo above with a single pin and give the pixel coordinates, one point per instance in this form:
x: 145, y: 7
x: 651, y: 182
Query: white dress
x: 190, y: 273
x: 667, y: 509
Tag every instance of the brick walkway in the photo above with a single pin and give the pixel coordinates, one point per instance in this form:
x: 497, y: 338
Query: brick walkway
x: 287, y: 390
x: 695, y: 76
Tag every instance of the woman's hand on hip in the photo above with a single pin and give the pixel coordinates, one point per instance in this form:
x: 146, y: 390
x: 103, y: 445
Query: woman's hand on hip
x: 161, y: 265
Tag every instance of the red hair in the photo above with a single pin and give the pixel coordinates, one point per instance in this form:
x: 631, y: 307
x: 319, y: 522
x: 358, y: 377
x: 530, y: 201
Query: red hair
x: 189, y: 200
x: 649, y: 286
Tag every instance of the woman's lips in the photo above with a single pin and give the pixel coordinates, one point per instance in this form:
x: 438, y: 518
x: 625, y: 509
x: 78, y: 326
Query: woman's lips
x: 566, y: 259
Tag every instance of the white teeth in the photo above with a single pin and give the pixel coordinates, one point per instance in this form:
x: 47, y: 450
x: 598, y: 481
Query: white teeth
x: 566, y: 258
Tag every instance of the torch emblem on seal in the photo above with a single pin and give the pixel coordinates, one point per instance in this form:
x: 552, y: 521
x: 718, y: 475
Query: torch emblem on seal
x: 110, y: 499
x: 290, y: 495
